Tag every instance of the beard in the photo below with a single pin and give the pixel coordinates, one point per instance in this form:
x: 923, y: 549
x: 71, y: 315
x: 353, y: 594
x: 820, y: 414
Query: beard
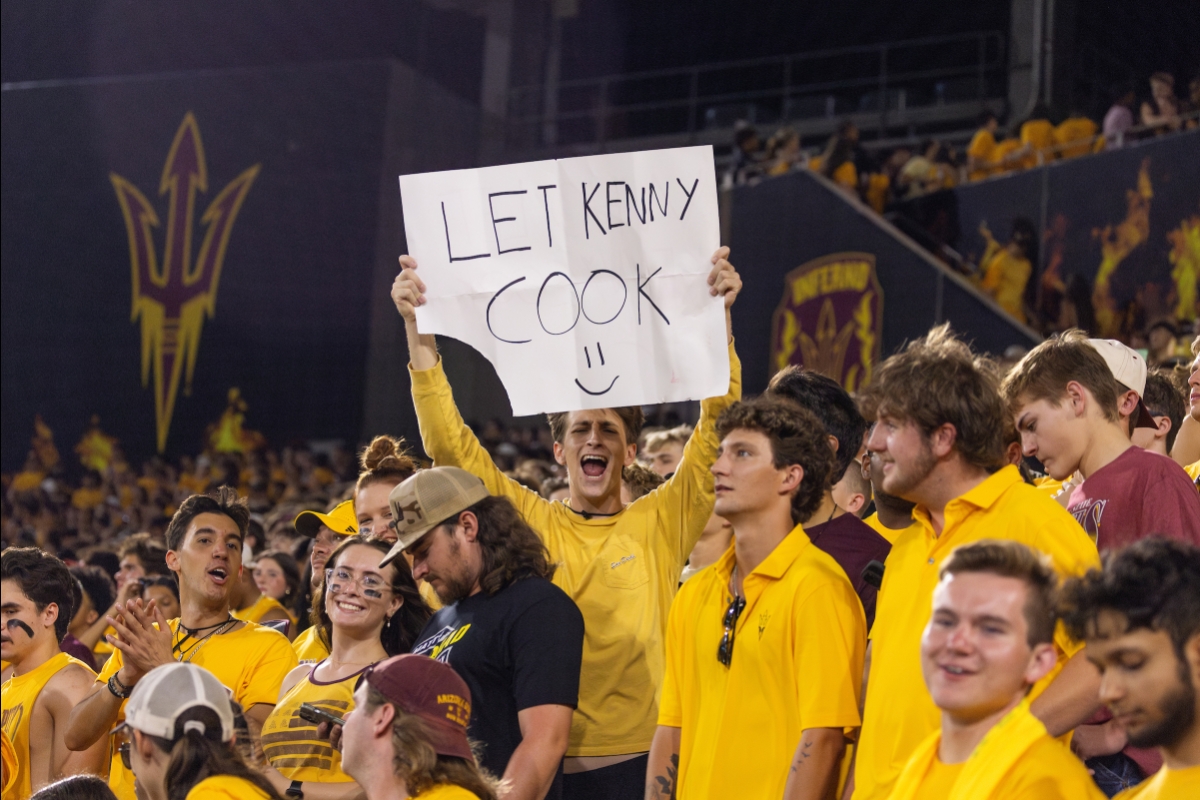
x: 457, y: 585
x: 1178, y: 716
x: 907, y: 479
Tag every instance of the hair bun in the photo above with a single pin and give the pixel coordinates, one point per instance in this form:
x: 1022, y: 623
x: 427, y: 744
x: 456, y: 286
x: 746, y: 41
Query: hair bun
x: 386, y: 453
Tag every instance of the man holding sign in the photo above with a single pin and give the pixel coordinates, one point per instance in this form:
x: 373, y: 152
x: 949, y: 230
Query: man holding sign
x: 633, y: 343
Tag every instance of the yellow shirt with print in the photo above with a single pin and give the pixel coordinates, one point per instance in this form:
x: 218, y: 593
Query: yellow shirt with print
x: 1166, y: 784
x: 290, y: 743
x: 226, y: 787
x: 251, y: 662
x: 797, y: 664
x: 891, y: 534
x: 899, y: 712
x: 622, y: 571
x: 309, y: 647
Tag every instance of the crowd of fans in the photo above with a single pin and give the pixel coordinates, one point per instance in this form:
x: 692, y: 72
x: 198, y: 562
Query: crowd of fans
x: 807, y: 595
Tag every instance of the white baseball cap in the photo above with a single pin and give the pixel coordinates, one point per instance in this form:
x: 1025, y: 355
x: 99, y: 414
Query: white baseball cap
x: 1128, y: 367
x: 165, y: 692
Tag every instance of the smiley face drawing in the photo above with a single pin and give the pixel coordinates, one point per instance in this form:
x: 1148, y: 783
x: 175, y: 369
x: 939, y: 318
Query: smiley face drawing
x: 588, y: 356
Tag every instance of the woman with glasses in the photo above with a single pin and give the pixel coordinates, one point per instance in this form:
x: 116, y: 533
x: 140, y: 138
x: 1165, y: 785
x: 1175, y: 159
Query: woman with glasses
x: 364, y: 613
x: 181, y: 722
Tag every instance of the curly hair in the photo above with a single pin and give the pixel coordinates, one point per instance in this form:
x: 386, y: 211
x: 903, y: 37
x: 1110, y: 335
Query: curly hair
x: 384, y: 459
x: 796, y: 436
x: 938, y: 381
x: 641, y: 480
x: 400, y: 632
x: 1154, y: 583
x: 224, y: 500
x: 832, y: 405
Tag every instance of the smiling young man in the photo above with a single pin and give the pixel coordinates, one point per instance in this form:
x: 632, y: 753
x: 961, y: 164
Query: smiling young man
x: 204, y: 550
x: 35, y: 609
x: 621, y: 565
x: 989, y: 640
x: 765, y: 647
x: 1140, y: 618
x: 938, y: 441
x: 513, y: 636
x: 1063, y: 397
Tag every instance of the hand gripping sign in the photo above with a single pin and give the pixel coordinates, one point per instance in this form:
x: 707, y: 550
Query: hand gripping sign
x: 583, y: 280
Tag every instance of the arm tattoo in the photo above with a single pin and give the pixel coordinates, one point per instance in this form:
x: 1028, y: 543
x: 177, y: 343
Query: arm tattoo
x: 663, y: 786
x: 803, y: 756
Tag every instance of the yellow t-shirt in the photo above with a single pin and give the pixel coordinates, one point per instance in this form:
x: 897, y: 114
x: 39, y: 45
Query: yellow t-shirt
x: 1005, y: 278
x: 290, y: 743
x: 622, y: 571
x: 1038, y: 134
x: 309, y: 647
x: 1166, y: 784
x: 225, y: 787
x: 891, y: 534
x: 899, y: 712
x: 17, y: 699
x: 8, y: 757
x: 1001, y: 153
x: 256, y: 611
x: 251, y: 662
x: 938, y: 781
x: 981, y: 148
x: 797, y: 664
x: 1076, y: 130
x: 846, y: 175
x: 446, y: 791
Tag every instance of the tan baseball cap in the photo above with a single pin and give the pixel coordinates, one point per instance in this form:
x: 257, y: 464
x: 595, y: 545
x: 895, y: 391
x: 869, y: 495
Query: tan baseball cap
x: 1128, y: 367
x: 340, y: 519
x: 427, y: 499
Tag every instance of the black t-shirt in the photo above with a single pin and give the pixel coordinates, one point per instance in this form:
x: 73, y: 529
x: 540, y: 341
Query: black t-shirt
x: 516, y: 649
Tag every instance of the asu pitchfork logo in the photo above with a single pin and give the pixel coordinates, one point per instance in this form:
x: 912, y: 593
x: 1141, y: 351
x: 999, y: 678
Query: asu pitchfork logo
x: 173, y: 297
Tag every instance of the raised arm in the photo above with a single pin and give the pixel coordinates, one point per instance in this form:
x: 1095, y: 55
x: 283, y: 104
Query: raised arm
x: 444, y: 434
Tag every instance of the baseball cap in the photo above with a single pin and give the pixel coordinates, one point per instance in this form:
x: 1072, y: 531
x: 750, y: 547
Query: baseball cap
x: 428, y: 498
x: 431, y: 690
x: 341, y: 520
x: 1128, y: 367
x: 165, y: 692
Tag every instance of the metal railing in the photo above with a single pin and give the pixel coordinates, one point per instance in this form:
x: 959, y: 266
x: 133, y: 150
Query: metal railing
x: 878, y: 85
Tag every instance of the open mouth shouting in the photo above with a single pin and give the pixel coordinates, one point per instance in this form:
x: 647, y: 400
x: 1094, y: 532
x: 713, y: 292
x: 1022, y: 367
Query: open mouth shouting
x: 218, y: 575
x: 593, y: 465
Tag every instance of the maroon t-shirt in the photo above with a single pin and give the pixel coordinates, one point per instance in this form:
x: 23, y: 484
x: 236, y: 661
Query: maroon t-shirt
x: 853, y: 544
x: 1138, y: 494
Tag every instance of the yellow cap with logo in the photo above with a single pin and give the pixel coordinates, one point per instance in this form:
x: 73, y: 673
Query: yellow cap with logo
x: 340, y: 520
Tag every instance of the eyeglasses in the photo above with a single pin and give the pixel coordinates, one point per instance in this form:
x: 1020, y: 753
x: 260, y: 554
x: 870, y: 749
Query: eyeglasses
x: 725, y: 650
x: 338, y: 580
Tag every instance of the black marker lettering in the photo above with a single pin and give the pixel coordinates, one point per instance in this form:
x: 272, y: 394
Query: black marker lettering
x: 570, y: 283
x: 587, y: 211
x: 449, y: 252
x: 642, y: 293
x: 499, y: 250
x: 601, y: 352
x: 588, y: 357
x: 663, y: 205
x: 546, y: 202
x: 583, y: 296
x: 609, y: 203
x: 641, y: 215
x: 689, y: 194
x: 605, y: 390
x: 488, y: 316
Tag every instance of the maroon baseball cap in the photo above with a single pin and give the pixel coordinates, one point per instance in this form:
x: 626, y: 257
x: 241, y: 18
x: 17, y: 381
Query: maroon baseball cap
x: 432, y: 691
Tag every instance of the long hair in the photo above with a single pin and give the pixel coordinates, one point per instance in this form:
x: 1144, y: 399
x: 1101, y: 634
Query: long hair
x: 196, y: 756
x: 510, y: 548
x: 420, y: 766
x: 400, y: 632
x: 291, y: 573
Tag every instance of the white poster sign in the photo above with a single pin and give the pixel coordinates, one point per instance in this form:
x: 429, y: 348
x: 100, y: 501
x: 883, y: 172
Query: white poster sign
x: 583, y: 280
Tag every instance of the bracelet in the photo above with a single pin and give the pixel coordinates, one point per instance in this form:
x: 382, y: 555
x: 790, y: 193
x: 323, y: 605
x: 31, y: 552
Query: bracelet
x: 295, y: 790
x: 118, y: 689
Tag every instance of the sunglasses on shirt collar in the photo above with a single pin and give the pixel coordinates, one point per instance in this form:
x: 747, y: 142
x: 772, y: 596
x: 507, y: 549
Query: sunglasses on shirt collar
x: 725, y: 649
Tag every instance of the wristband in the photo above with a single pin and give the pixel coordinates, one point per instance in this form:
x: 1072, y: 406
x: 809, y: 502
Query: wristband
x: 118, y: 689
x: 295, y: 790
